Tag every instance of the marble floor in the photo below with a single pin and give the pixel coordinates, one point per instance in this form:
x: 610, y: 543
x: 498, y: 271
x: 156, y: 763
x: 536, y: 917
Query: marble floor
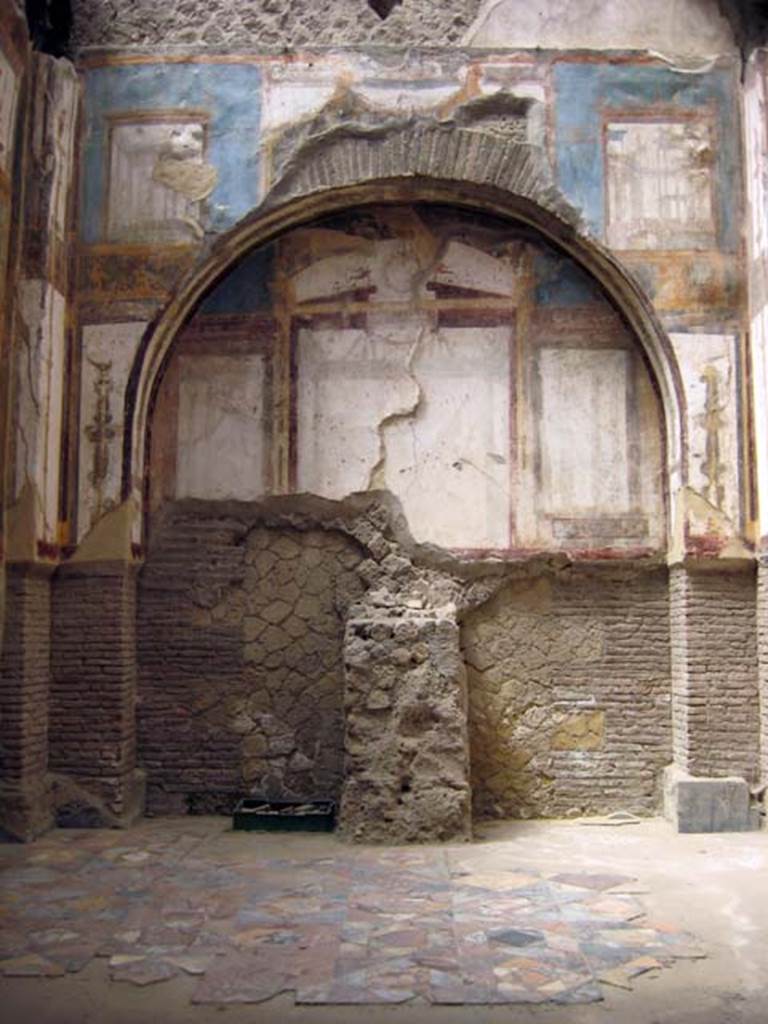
x: 248, y: 916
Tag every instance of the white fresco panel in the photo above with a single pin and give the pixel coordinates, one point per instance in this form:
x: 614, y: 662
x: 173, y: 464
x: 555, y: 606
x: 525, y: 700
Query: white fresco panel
x: 40, y: 384
x: 9, y: 88
x: 449, y: 461
x: 759, y: 348
x: 333, y: 275
x: 63, y: 147
x: 659, y: 183
x: 141, y: 208
x: 54, y: 411
x: 296, y: 90
x: 220, y: 450
x: 708, y: 367
x: 583, y: 431
x: 756, y: 154
x: 670, y: 27
x: 108, y: 351
x: 465, y: 266
x: 348, y: 382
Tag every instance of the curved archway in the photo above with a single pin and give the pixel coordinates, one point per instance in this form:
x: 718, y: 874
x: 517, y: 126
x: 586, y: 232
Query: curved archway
x: 266, y: 224
x: 357, y: 249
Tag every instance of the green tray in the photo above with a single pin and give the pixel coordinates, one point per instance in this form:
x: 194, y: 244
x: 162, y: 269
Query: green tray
x: 255, y: 815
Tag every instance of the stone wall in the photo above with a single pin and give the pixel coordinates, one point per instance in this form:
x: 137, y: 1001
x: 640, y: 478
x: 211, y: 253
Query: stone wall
x: 688, y: 26
x: 239, y: 646
x: 569, y: 694
x: 407, y: 763
x: 270, y: 651
x: 218, y: 23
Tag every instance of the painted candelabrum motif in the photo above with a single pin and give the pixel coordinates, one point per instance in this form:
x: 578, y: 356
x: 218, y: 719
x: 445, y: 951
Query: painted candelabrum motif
x: 100, y: 432
x: 711, y: 466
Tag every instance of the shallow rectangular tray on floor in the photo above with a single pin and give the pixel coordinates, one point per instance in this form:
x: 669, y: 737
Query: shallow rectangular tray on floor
x: 255, y: 815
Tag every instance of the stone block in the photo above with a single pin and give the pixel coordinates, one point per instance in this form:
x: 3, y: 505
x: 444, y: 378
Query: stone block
x: 696, y: 804
x: 406, y: 744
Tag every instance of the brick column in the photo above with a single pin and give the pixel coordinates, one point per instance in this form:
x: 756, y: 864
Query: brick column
x: 25, y: 791
x: 93, y: 694
x: 715, y: 733
x: 762, y: 660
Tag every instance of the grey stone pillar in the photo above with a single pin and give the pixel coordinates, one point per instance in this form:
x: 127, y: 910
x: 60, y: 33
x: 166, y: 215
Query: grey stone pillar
x: 93, y: 694
x: 715, y: 735
x: 406, y: 743
x: 25, y: 790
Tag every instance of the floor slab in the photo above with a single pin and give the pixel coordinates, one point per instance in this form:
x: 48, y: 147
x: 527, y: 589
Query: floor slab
x: 181, y: 917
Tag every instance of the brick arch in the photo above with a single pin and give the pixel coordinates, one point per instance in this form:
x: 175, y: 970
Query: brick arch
x: 341, y: 170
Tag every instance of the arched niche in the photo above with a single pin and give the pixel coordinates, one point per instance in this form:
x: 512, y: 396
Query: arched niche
x: 454, y: 358
x: 621, y: 293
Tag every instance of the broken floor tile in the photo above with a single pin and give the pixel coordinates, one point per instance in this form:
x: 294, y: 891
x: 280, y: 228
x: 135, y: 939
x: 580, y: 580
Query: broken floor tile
x: 592, y: 881
x: 190, y: 964
x: 30, y: 966
x: 621, y: 977
x: 140, y: 971
x: 240, y: 979
x: 513, y: 937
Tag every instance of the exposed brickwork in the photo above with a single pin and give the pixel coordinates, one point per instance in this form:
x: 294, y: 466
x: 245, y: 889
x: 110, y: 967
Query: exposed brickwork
x: 714, y: 672
x: 407, y: 764
x: 762, y: 662
x: 569, y: 694
x: 240, y: 635
x: 24, y: 684
x: 93, y: 693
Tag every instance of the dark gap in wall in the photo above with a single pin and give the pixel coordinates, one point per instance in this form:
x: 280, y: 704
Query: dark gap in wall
x: 749, y: 20
x: 384, y: 7
x: 50, y: 25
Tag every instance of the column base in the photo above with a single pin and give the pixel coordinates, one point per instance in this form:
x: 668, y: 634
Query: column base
x: 26, y: 812
x: 702, y: 804
x: 79, y: 804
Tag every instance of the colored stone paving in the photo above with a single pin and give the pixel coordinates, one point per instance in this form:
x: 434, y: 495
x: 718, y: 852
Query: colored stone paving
x: 331, y: 923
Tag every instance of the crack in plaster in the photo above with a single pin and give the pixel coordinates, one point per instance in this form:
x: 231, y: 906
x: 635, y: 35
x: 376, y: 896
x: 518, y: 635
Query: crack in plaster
x: 377, y: 476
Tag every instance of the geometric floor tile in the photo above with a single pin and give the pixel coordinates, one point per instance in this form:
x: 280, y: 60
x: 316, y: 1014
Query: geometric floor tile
x: 351, y: 925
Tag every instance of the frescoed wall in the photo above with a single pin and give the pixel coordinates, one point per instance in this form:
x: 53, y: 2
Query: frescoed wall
x: 463, y: 366
x: 643, y: 152
x: 506, y: 386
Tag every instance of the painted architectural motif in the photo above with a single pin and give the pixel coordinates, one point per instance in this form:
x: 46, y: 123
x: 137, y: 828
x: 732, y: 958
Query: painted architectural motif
x: 407, y: 368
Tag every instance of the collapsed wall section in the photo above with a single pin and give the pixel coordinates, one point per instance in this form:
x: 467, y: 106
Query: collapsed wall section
x: 239, y: 644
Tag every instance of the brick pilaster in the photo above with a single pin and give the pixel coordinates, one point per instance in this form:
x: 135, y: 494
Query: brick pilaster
x: 762, y: 660
x: 93, y: 694
x: 25, y: 792
x: 714, y: 671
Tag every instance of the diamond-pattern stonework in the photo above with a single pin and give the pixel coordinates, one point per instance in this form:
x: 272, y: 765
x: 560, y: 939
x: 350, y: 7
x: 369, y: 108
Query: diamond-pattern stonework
x: 252, y: 917
x: 240, y: 636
